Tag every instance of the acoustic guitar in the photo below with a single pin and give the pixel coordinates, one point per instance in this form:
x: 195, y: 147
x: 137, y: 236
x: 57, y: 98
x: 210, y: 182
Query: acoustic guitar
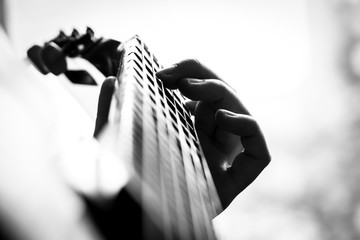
x: 171, y: 193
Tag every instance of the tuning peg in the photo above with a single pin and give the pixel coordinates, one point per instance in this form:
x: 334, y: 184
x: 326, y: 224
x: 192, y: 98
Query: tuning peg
x: 75, y: 34
x: 90, y: 32
x: 54, y: 59
x: 34, y: 54
x: 60, y: 39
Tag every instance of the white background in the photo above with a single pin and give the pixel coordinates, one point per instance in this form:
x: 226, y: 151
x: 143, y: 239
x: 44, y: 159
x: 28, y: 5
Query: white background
x: 278, y: 54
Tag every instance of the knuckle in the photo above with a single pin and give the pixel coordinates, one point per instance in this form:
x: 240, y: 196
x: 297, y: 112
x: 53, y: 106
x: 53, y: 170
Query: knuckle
x: 194, y: 62
x: 256, y: 126
x: 267, y: 159
x: 218, y: 85
x: 191, y: 64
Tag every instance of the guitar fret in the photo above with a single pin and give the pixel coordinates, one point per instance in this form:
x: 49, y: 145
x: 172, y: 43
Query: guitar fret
x: 176, y: 188
x: 168, y: 193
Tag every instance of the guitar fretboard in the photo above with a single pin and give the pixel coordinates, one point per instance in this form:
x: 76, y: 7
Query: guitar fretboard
x: 170, y: 177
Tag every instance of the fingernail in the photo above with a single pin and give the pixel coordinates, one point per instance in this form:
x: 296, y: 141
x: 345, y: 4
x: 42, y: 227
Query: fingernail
x: 227, y: 113
x: 194, y: 80
x: 167, y: 71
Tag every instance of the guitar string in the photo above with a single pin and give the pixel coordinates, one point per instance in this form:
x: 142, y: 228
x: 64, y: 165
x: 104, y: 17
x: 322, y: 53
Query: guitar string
x: 181, y: 158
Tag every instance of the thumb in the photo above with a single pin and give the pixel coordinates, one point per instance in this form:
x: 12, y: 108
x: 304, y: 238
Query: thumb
x: 105, y: 96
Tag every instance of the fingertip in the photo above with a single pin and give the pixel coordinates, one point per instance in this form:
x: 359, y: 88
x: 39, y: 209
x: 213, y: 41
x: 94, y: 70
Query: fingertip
x: 191, y: 105
x: 221, y: 118
x: 104, y: 101
x: 240, y: 124
x: 219, y: 114
x: 187, y: 68
x: 166, y: 72
x: 189, y: 87
x: 222, y: 114
x: 168, y: 76
x: 109, y: 82
x: 107, y: 89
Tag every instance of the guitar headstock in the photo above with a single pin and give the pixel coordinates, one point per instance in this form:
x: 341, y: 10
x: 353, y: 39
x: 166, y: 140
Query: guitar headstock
x: 51, y: 57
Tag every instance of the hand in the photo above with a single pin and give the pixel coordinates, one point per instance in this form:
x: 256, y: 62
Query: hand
x: 231, y: 139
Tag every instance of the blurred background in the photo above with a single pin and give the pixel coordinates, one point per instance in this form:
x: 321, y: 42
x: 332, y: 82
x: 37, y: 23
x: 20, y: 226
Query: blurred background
x: 294, y: 63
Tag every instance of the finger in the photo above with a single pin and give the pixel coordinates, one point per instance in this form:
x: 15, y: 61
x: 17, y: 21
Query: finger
x: 211, y: 94
x: 213, y: 91
x: 245, y: 126
x: 105, y: 96
x: 190, y: 68
x: 201, y: 90
x: 247, y: 165
x: 191, y: 105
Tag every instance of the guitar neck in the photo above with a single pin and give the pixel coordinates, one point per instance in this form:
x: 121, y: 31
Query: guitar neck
x: 171, y: 193
x: 170, y: 178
